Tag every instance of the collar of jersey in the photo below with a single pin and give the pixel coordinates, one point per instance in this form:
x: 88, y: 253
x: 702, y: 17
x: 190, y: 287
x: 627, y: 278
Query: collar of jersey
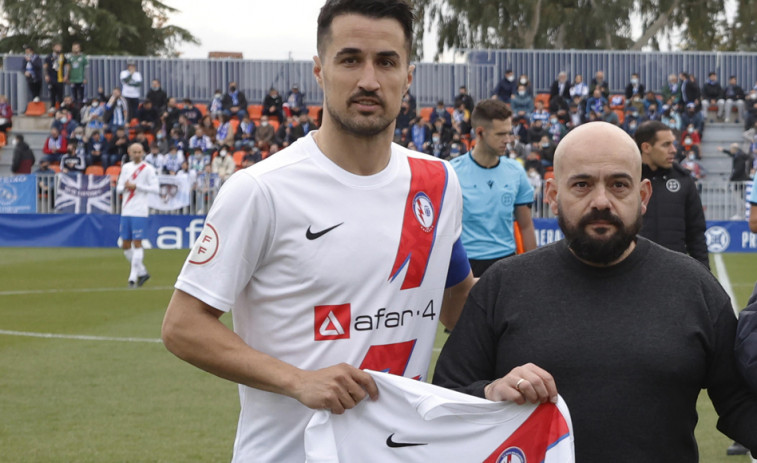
x: 380, y: 179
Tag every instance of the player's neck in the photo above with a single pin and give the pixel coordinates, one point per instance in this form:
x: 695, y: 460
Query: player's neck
x: 357, y: 155
x: 484, y: 157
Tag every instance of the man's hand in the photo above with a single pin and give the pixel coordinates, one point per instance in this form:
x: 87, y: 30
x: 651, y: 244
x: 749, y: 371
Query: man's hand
x: 131, y: 186
x: 335, y: 388
x: 524, y: 383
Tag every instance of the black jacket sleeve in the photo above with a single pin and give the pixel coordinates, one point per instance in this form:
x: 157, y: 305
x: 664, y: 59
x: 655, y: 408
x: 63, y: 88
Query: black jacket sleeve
x: 746, y: 342
x: 696, y: 243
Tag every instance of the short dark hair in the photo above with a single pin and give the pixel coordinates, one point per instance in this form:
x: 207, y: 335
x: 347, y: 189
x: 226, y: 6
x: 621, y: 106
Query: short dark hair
x: 394, y: 9
x: 489, y: 110
x: 647, y: 132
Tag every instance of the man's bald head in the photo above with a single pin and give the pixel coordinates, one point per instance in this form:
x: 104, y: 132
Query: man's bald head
x: 136, y: 152
x: 598, y: 140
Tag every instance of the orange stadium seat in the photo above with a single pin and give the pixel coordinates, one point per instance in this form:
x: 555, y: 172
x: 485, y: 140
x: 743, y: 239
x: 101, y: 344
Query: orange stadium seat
x: 114, y: 172
x: 313, y: 112
x: 238, y: 155
x: 203, y: 108
x: 3, y: 141
x: 55, y: 167
x: 94, y: 170
x: 425, y: 113
x: 544, y: 98
x: 621, y: 115
x: 234, y: 124
x: 255, y: 111
x: 35, y: 109
x: 274, y: 123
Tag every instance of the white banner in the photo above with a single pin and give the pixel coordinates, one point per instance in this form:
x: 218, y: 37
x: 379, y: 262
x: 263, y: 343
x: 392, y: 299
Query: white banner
x: 174, y: 193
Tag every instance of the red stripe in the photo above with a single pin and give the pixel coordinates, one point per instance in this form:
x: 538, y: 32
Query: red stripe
x: 428, y: 178
x: 544, y: 427
x: 134, y: 176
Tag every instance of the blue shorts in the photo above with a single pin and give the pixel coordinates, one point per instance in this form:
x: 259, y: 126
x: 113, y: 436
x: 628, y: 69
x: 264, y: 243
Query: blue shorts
x: 132, y: 228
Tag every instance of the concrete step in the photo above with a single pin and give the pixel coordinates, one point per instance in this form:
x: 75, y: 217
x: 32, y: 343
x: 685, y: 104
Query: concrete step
x: 26, y: 124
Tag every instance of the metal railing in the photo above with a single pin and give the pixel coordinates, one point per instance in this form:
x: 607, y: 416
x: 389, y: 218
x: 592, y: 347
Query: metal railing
x: 480, y: 71
x: 722, y: 200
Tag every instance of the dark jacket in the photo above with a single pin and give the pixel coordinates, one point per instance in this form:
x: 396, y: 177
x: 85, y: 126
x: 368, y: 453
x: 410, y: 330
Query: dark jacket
x: 674, y: 217
x: 554, y: 90
x: 712, y: 91
x: 23, y: 159
x: 227, y: 102
x: 630, y: 93
x: 746, y: 342
x: 740, y: 165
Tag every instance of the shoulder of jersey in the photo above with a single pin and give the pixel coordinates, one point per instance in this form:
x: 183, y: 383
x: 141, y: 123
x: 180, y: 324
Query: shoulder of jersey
x: 293, y: 154
x: 512, y: 162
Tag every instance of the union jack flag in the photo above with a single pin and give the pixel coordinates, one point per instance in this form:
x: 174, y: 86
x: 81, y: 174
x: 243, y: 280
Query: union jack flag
x: 83, y: 194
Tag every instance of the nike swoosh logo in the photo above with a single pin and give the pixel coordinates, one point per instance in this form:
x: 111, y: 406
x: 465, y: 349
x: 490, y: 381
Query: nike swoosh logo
x: 393, y: 444
x: 314, y: 236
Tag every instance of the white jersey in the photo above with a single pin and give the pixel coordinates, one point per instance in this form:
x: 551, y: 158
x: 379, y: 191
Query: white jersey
x: 136, y: 203
x: 419, y: 422
x: 322, y: 266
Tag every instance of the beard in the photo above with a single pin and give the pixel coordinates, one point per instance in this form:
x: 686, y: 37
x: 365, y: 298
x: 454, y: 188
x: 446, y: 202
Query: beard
x: 602, y: 250
x: 361, y: 126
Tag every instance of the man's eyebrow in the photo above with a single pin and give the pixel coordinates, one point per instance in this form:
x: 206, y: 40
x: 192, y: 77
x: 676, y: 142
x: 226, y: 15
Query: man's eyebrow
x: 617, y: 175
x: 357, y: 51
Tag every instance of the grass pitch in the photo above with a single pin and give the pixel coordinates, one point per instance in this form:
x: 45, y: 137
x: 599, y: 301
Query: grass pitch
x: 104, y: 389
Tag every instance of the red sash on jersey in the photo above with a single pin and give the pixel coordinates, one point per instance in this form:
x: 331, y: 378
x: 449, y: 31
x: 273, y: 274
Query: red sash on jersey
x: 133, y: 177
x: 542, y: 430
x: 428, y: 181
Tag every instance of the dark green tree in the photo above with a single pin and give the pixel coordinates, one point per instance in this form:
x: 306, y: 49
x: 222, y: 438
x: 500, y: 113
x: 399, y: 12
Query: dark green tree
x: 103, y: 27
x: 586, y: 24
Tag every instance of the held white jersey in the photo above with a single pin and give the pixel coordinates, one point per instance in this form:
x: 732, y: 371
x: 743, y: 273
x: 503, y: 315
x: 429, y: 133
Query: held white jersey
x: 135, y: 203
x: 419, y: 422
x: 321, y: 267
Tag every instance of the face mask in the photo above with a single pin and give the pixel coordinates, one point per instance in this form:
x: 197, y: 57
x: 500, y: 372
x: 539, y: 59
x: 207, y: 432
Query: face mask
x: 692, y: 157
x: 232, y: 89
x: 553, y: 121
x: 545, y: 145
x: 521, y: 93
x: 155, y: 87
x: 223, y: 153
x: 511, y: 78
x: 634, y: 81
x: 687, y: 141
x: 263, y: 123
x: 524, y: 81
x: 632, y: 126
x: 62, y: 120
x: 15, y: 142
x: 217, y: 95
x: 435, y: 139
x: 94, y: 104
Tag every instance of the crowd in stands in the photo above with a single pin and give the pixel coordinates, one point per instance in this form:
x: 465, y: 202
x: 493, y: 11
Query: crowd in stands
x: 181, y: 136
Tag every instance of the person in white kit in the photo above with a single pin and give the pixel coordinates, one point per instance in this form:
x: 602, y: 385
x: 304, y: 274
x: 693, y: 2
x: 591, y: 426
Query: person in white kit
x: 136, y: 181
x: 333, y: 256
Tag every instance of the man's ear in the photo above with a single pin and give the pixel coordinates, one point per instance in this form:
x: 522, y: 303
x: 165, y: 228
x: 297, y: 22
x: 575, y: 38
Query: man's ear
x: 550, y: 193
x: 646, y: 193
x: 318, y: 70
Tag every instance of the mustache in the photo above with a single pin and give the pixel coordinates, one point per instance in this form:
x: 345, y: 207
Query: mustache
x: 603, y: 215
x: 362, y: 94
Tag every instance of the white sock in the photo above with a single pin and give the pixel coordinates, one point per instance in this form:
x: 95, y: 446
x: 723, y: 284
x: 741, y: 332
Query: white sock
x: 128, y: 253
x: 139, y: 255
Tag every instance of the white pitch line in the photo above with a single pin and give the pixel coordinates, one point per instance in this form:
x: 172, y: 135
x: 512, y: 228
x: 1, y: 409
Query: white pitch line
x: 81, y: 290
x: 725, y: 281
x: 77, y: 337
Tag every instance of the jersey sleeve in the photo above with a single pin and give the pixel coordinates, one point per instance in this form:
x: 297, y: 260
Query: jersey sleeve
x: 150, y: 183
x: 459, y: 266
x: 753, y: 195
x: 233, y: 241
x: 525, y: 195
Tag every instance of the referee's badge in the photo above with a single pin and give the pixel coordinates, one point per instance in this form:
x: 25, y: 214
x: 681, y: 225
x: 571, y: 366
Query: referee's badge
x: 206, y: 246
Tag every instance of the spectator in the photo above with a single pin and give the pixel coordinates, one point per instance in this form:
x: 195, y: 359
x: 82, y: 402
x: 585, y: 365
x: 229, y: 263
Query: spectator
x: 636, y: 103
x: 295, y: 101
x: 556, y: 129
x: 32, y: 67
x: 206, y: 185
x: 440, y: 112
x: 444, y: 131
x: 173, y: 160
x: 55, y: 146
x: 692, y: 164
x: 575, y: 117
x: 273, y: 105
x: 223, y: 164
x: 505, y: 88
x: 608, y: 115
x: 671, y: 91
x: 687, y: 146
x: 77, y: 136
x: 157, y: 96
x: 189, y: 111
x: 539, y: 113
x: 671, y: 118
x: 155, y: 158
x: 536, y: 132
x: 599, y: 82
x: 96, y: 148
x: 216, y: 105
x: 712, y: 94
x: 198, y: 160
x: 750, y: 137
x: 175, y: 139
x: 634, y: 87
x: 23, y: 156
x: 520, y: 130
x: 461, y: 120
x: 245, y: 134
x: 692, y: 117
x: 265, y: 134
x: 579, y: 89
x: 438, y: 147
x: 92, y: 117
x: 171, y: 114
x: 692, y: 133
x: 185, y: 128
x: 250, y: 157
x: 525, y: 81
x: 690, y: 92
x: 64, y: 123
x: 630, y: 123
x: 596, y: 102
x: 734, y: 95
x: 652, y: 113
x: 116, y: 110
x: 208, y: 126
x: 741, y: 163
x: 117, y: 148
x: 463, y: 98
x: 751, y: 103
x: 649, y: 99
x: 45, y: 184
x: 148, y: 117
x: 560, y: 87
x: 78, y: 75
x: 69, y: 105
x: 404, y: 118
x: 200, y: 140
x: 410, y: 99
x: 456, y: 146
x: 234, y: 102
x: 546, y: 150
x: 73, y: 162
x: 131, y: 84
x: 57, y: 67
x: 285, y: 136
x: 304, y: 126
x: 521, y: 103
x: 6, y: 114
x: 141, y: 138
x: 225, y: 133
x: 420, y: 133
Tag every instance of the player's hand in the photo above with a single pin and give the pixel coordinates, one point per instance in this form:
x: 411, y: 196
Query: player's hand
x: 130, y: 186
x: 524, y: 383
x: 335, y: 388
